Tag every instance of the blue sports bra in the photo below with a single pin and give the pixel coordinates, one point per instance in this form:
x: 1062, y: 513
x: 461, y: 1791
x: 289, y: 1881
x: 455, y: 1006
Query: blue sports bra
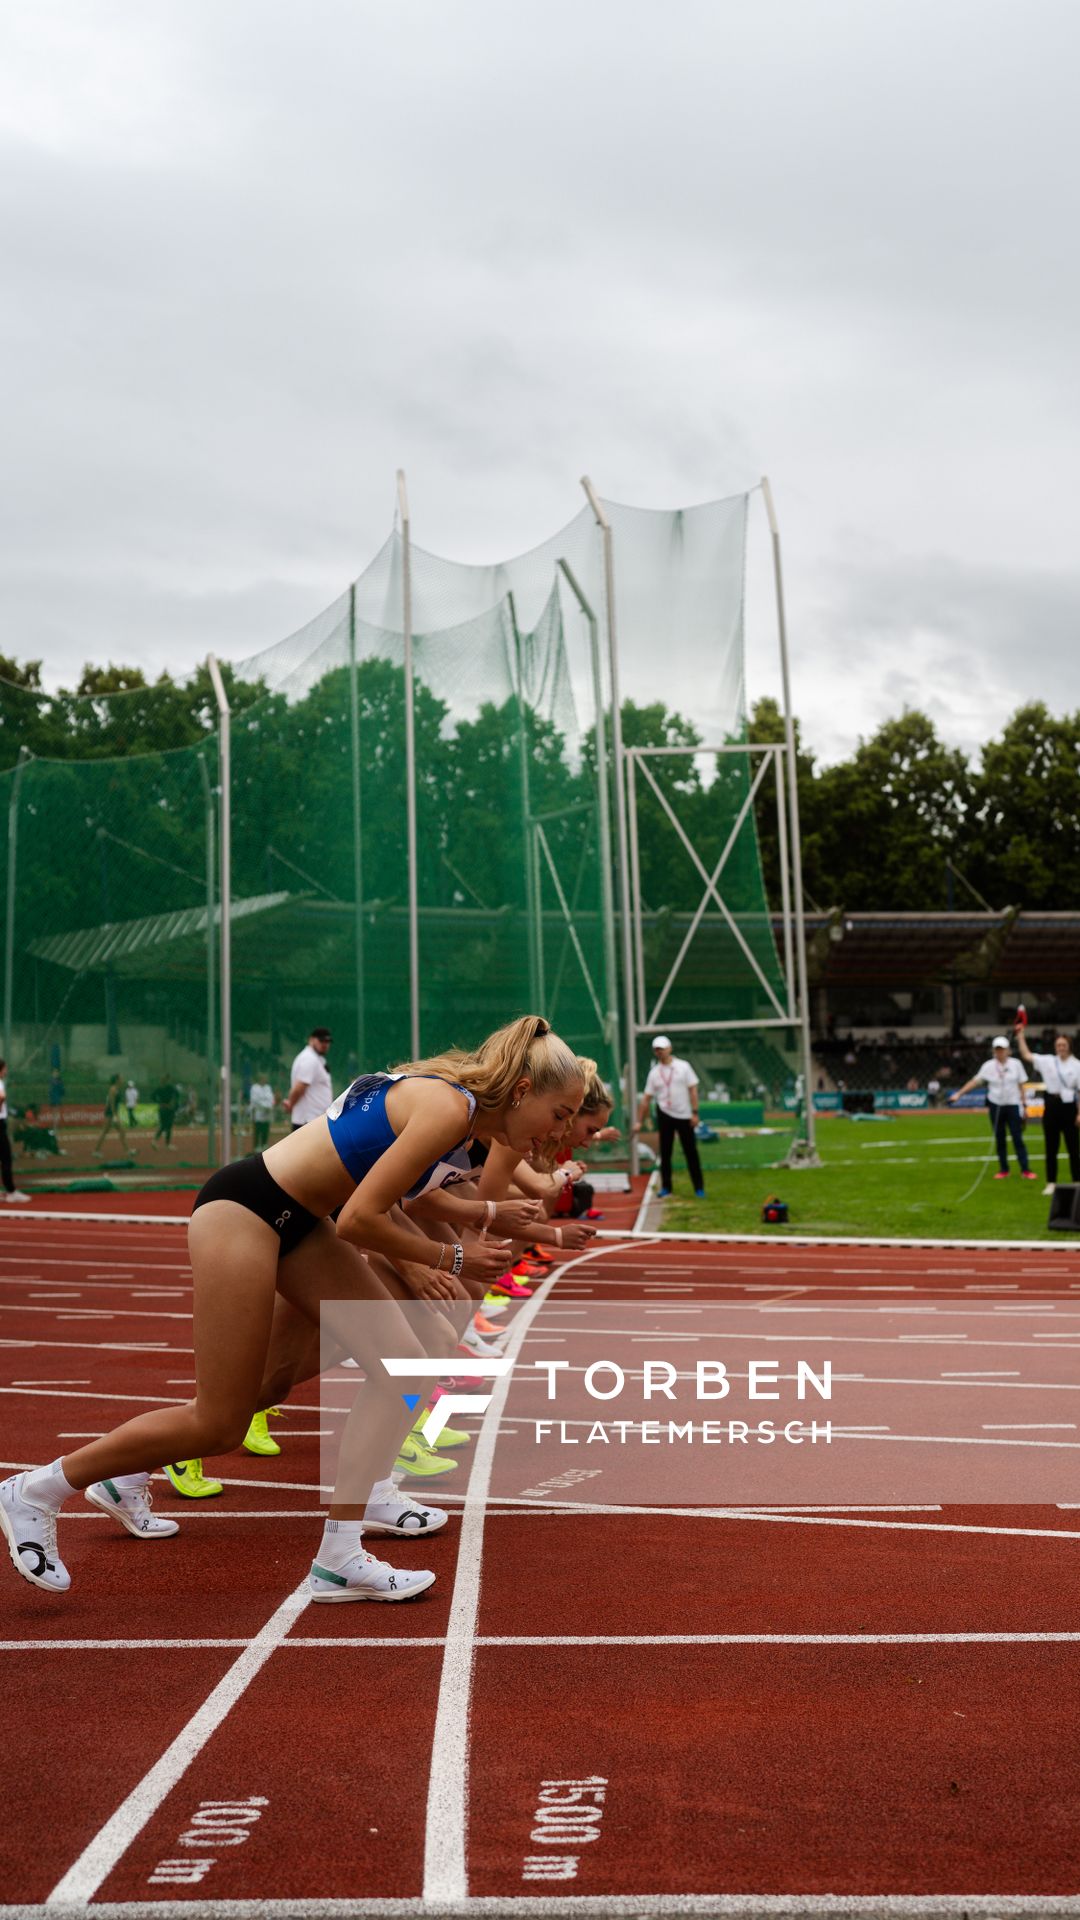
x: 362, y: 1133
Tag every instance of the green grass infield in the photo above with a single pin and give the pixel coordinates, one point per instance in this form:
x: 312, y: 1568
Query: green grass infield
x: 921, y: 1176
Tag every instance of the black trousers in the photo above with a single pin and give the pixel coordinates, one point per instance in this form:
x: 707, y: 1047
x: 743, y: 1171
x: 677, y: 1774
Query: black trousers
x: 668, y: 1128
x: 6, y: 1174
x: 1000, y: 1118
x: 1059, y: 1124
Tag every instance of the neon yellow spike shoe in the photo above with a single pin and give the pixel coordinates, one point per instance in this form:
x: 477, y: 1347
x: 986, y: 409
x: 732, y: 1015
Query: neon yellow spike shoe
x: 449, y: 1437
x: 257, y: 1438
x: 422, y: 1461
x: 187, y: 1478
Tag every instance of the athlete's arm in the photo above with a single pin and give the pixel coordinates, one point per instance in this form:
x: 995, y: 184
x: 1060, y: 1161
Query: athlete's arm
x: 505, y: 1165
x: 432, y: 1121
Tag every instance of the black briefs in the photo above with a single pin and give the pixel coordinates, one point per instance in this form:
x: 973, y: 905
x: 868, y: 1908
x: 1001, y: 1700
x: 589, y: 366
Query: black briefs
x: 250, y: 1184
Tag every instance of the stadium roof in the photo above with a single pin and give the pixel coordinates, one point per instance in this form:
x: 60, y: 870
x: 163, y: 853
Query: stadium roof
x: 287, y: 934
x: 897, y: 950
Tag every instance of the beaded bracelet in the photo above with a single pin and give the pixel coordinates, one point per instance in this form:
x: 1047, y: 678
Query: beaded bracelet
x: 439, y: 1261
x: 458, y: 1261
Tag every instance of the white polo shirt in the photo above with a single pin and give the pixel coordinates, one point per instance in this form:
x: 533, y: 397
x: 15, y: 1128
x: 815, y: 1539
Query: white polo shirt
x: 1004, y: 1082
x: 1058, y: 1076
x: 670, y: 1087
x: 310, y: 1067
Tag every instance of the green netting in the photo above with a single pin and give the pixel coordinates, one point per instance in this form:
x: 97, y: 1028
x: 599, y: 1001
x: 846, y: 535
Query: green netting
x: 112, y: 927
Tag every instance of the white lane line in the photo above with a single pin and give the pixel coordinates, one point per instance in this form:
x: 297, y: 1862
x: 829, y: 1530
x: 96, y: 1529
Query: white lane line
x: 1030, y: 1426
x: 38, y: 1382
x: 303, y: 1642
x: 56, y: 1260
x: 54, y: 1293
x: 98, y: 1346
x: 114, y: 1286
x: 163, y: 1646
x: 704, y: 1906
x: 782, y: 1517
x: 981, y: 1373
x: 767, y: 1639
x: 445, y: 1861
x: 114, y: 1312
x: 97, y: 1860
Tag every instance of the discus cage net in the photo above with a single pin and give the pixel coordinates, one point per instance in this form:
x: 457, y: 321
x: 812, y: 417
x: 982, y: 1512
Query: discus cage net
x: 458, y: 794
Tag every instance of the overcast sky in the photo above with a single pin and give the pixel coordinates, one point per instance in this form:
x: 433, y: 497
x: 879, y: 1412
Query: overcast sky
x: 258, y: 255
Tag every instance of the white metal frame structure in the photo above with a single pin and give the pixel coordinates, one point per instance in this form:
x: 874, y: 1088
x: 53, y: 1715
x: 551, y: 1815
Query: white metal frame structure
x: 639, y: 1020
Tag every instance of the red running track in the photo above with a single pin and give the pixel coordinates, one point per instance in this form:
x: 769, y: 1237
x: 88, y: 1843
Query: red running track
x: 807, y: 1753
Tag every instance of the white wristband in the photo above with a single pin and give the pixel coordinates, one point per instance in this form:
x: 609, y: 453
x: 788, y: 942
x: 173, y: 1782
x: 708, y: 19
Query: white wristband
x: 490, y: 1207
x: 558, y: 1236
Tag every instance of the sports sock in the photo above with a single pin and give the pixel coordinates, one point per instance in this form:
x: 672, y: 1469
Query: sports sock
x: 341, y: 1539
x: 130, y: 1482
x: 384, y: 1490
x: 47, y: 1487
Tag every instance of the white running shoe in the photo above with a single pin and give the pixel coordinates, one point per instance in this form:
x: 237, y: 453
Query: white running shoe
x: 402, y: 1516
x: 474, y: 1343
x: 14, y: 1196
x: 31, y: 1536
x: 365, y: 1578
x: 132, y: 1507
x: 1049, y: 1188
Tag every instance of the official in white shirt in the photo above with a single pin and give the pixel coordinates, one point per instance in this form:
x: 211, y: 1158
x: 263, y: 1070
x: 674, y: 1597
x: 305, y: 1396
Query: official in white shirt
x: 673, y: 1084
x: 1004, y: 1079
x: 1060, y: 1074
x: 311, y: 1092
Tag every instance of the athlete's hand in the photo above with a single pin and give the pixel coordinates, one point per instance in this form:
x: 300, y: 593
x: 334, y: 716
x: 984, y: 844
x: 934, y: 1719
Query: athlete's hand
x: 486, y: 1259
x: 517, y: 1217
x: 575, y: 1233
x: 425, y: 1282
x: 573, y: 1170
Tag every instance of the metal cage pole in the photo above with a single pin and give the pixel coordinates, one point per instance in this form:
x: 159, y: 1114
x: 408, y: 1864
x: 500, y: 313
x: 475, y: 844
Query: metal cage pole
x: 612, y: 1023
x: 211, y: 970
x: 533, y: 913
x: 785, y: 879
x: 604, y: 525
x: 225, y: 825
x: 358, y: 851
x: 410, y: 771
x: 810, y: 1157
x: 9, y: 922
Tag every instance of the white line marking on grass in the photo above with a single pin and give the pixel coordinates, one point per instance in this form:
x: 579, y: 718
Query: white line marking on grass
x: 445, y: 1860
x: 111, y: 1842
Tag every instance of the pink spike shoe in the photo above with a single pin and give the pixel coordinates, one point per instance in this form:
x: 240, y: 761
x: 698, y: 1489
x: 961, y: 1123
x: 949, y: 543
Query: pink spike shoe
x: 511, y: 1286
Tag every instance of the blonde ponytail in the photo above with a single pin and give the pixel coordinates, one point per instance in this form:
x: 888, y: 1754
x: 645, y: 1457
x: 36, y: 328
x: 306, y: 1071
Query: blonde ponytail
x: 526, y: 1049
x: 597, y: 1092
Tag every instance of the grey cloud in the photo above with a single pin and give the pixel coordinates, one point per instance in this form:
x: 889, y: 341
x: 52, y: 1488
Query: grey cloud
x: 257, y: 258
